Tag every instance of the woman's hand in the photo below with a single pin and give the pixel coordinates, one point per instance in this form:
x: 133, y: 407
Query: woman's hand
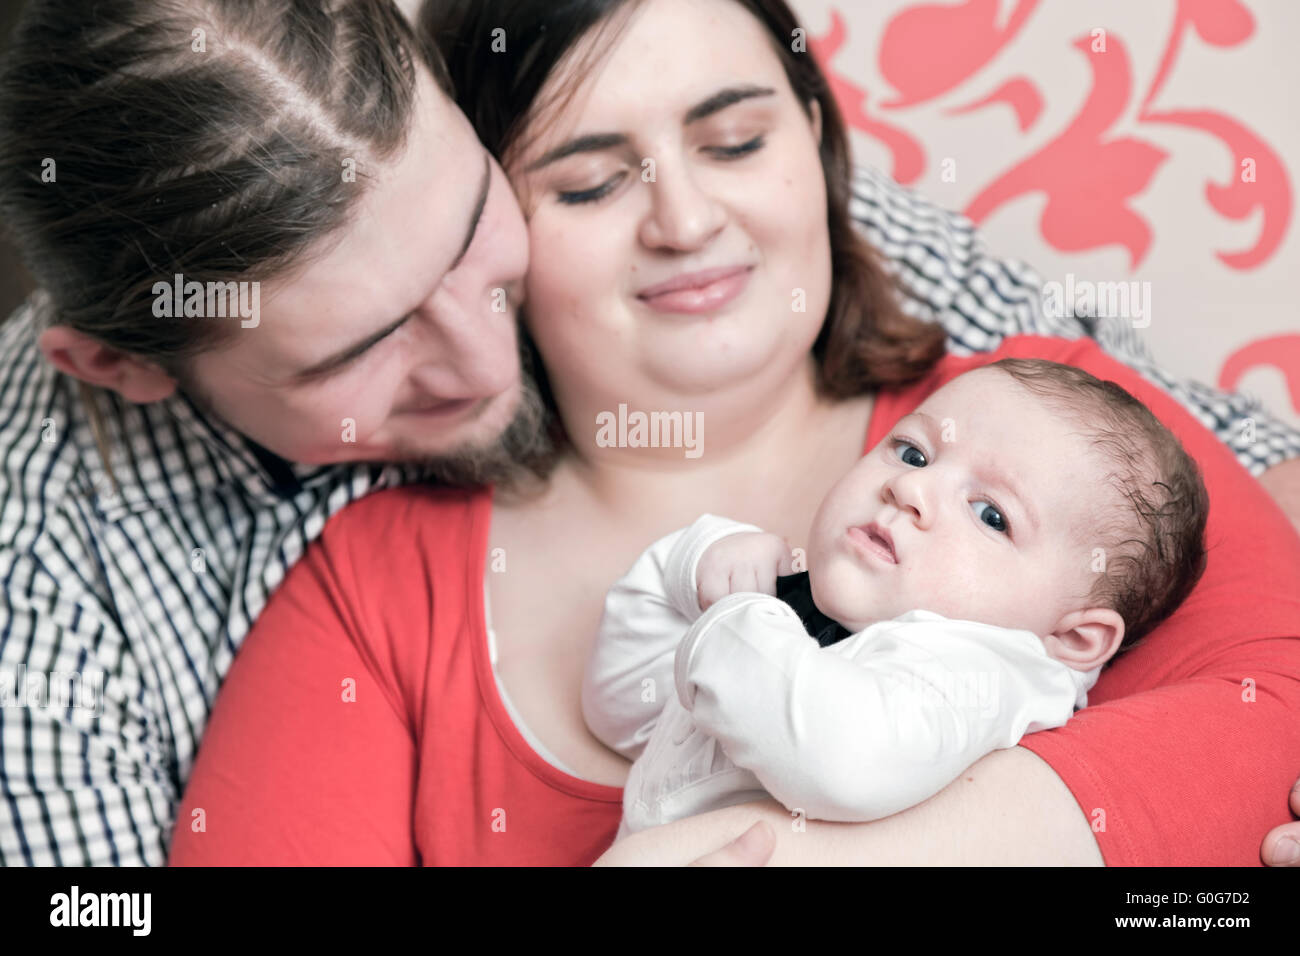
x: 1282, y: 845
x: 752, y: 848
x: 742, y: 835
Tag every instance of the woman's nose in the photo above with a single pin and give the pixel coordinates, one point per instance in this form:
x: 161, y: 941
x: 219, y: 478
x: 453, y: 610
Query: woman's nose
x: 682, y: 217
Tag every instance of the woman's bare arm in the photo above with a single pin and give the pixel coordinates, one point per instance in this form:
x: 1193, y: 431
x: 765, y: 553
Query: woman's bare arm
x: 1009, y: 808
x: 1283, y: 483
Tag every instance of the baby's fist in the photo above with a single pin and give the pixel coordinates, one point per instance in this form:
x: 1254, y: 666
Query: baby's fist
x: 749, y: 561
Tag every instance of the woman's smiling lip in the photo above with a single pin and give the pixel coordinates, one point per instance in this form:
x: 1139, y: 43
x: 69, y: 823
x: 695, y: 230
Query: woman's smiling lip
x: 697, y: 292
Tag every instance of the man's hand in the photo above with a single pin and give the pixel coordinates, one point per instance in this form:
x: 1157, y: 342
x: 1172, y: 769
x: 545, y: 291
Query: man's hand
x: 750, y: 561
x: 1282, y: 845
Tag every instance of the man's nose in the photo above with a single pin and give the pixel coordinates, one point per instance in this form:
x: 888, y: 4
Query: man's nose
x: 467, y: 348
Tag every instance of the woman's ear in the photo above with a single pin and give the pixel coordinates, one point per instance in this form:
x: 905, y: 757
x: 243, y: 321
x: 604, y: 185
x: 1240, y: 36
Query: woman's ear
x: 83, y: 357
x: 815, y: 115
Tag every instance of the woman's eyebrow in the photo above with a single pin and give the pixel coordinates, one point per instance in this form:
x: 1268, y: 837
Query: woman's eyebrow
x: 591, y: 143
x: 595, y: 142
x: 722, y: 99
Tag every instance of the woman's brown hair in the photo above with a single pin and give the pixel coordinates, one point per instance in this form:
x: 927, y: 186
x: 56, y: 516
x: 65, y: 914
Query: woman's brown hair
x: 144, y: 138
x: 867, y: 341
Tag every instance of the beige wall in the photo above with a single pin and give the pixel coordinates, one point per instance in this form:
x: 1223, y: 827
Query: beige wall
x: 1240, y: 79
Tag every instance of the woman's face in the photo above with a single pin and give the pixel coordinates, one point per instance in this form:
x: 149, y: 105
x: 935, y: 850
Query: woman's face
x: 677, y: 212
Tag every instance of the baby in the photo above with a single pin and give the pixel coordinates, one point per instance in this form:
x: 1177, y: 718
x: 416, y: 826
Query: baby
x: 967, y: 581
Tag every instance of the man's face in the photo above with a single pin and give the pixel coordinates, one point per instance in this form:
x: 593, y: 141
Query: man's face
x: 396, y: 339
x: 989, y: 502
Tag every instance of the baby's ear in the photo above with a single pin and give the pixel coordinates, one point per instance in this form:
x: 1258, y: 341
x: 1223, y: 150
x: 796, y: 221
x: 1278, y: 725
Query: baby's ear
x: 1086, y: 639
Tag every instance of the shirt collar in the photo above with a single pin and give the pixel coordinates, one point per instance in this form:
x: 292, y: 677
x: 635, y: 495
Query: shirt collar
x: 171, y: 450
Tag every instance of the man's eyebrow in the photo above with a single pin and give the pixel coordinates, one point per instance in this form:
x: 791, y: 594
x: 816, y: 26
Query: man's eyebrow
x: 722, y: 99
x: 346, y: 355
x: 595, y: 142
x: 477, y: 215
x: 350, y: 352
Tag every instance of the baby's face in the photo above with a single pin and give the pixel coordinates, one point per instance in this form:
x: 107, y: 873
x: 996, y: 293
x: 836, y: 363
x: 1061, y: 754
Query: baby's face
x: 988, y: 501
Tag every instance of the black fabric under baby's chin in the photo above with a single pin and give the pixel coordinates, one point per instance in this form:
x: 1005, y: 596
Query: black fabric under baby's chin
x: 796, y: 591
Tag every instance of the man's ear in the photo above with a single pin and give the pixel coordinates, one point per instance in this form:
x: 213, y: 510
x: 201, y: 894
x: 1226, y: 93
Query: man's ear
x: 1086, y: 639
x: 83, y: 357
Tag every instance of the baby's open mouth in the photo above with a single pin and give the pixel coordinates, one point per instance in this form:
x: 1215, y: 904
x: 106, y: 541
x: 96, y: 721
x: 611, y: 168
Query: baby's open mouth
x: 875, y: 541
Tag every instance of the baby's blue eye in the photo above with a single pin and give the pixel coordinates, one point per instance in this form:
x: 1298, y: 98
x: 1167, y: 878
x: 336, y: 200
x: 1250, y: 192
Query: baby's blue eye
x: 917, y: 457
x: 991, y: 516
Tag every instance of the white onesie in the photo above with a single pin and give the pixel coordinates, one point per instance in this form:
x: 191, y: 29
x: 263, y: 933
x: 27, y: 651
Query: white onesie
x: 740, y: 703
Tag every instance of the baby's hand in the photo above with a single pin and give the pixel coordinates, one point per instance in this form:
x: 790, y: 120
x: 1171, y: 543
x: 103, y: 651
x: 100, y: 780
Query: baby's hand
x: 749, y: 561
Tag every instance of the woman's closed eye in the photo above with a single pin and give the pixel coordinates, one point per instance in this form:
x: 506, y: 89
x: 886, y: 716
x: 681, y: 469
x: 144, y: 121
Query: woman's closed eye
x: 738, y: 151
x: 575, y: 197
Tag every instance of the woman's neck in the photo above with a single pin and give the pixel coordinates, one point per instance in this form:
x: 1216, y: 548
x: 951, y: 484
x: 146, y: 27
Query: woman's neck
x: 760, y: 453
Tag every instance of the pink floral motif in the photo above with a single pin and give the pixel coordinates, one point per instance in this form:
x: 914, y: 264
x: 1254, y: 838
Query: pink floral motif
x: 1269, y: 187
x: 1280, y: 351
x: 929, y: 49
x: 1226, y: 23
x: 1089, y: 174
x: 1218, y: 22
x: 1018, y: 93
x: 1087, y: 177
x: 908, y: 156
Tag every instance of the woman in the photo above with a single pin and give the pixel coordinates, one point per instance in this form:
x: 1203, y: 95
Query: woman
x: 667, y: 155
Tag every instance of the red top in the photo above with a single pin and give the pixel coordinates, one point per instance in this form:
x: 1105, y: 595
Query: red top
x: 361, y: 724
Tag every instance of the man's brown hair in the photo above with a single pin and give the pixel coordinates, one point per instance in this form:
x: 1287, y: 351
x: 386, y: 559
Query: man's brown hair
x: 206, y: 139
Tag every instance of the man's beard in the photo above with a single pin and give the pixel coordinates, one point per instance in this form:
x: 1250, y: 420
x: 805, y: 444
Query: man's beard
x: 526, y: 449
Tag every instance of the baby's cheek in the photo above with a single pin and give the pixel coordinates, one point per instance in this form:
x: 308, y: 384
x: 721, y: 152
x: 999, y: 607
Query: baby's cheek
x: 841, y: 591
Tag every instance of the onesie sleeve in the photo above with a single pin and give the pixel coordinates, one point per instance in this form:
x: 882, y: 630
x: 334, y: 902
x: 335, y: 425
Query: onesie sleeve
x: 874, y: 724
x: 646, y: 613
